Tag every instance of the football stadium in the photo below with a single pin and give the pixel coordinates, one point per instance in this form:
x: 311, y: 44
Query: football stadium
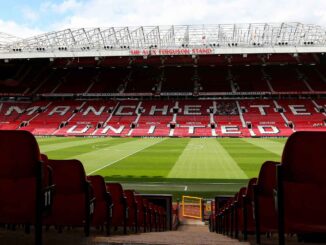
x: 143, y: 129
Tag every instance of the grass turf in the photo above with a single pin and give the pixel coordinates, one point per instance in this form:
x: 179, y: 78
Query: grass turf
x: 191, y: 166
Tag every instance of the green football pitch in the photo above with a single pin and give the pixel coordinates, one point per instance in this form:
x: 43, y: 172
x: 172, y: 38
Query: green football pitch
x: 191, y: 166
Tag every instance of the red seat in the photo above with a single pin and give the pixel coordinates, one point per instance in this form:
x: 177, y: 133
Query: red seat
x: 21, y: 185
x: 248, y: 216
x: 238, y: 212
x: 264, y: 204
x: 301, y: 184
x: 47, y: 181
x: 119, y: 209
x: 141, y: 212
x: 153, y: 217
x: 132, y: 209
x: 73, y: 204
x: 103, y: 203
x: 162, y: 218
x: 149, y: 212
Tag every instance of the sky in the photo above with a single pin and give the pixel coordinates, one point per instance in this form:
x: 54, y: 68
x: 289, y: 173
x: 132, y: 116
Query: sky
x: 29, y: 18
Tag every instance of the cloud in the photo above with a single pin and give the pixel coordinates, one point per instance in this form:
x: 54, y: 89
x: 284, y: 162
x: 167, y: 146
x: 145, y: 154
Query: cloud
x: 61, y: 8
x: 53, y: 15
x: 15, y: 29
x: 106, y: 13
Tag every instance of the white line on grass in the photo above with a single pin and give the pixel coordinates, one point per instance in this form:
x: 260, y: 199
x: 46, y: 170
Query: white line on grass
x: 156, y: 185
x: 109, y: 164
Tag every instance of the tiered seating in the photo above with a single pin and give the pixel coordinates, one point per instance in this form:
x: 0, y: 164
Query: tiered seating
x: 213, y: 79
x: 12, y: 78
x: 142, y: 80
x: 228, y: 120
x: 303, y: 114
x: 24, y: 194
x: 301, y: 185
x: 52, y: 81
x: 92, y: 115
x: 307, y: 59
x: 313, y: 79
x: 178, y: 79
x: 159, y: 119
x: 76, y: 201
x: 287, y: 198
x: 153, y: 118
x: 77, y: 81
x: 108, y: 80
x: 262, y: 116
x: 284, y: 79
x: 48, y: 121
x: 9, y: 114
x: 249, y: 79
x: 193, y: 120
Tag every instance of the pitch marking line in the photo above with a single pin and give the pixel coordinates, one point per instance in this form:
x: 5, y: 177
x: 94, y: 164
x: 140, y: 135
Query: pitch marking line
x: 111, y: 163
x: 156, y: 185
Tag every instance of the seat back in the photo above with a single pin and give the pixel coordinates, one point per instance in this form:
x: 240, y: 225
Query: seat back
x: 99, y: 187
x: 266, y: 181
x: 249, y: 191
x: 19, y: 151
x: 116, y: 192
x: 239, y: 199
x: 68, y: 176
x: 131, y: 200
x: 119, y: 205
x: 304, y: 157
x: 132, y: 206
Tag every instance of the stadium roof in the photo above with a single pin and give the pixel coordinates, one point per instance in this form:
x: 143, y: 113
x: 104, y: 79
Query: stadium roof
x: 170, y: 40
x: 5, y: 39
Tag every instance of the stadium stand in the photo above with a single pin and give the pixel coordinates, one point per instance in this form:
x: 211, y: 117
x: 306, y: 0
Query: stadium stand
x: 240, y: 96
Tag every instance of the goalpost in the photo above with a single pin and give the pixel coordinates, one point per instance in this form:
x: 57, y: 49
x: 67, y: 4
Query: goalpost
x: 192, y: 207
